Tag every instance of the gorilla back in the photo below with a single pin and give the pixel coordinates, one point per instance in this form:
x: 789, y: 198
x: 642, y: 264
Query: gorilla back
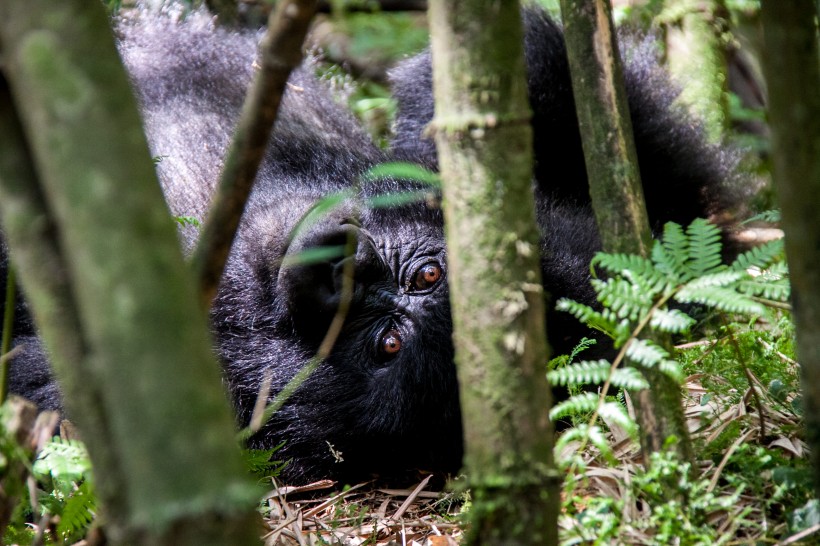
x: 385, y: 401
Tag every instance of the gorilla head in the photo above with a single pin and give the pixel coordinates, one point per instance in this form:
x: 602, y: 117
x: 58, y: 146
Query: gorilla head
x: 385, y: 400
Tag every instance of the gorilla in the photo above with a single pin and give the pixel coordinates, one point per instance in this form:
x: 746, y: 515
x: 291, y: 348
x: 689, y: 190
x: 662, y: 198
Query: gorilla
x: 385, y: 401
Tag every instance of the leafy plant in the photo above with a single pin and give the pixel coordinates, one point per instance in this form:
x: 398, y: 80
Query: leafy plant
x: 669, y: 522
x: 640, y: 295
x: 261, y: 462
x: 64, y: 468
x: 641, y: 300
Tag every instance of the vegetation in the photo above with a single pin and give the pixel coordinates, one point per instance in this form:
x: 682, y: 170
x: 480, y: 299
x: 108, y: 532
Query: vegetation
x: 734, y: 360
x: 752, y: 480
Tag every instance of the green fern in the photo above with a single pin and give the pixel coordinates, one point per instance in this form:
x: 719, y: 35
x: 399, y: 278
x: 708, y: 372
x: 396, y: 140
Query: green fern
x: 759, y: 256
x: 586, y: 373
x: 586, y: 433
x: 585, y: 402
x: 684, y: 268
x: 78, y: 511
x: 673, y: 321
x: 64, y: 469
x: 261, y: 462
x: 64, y: 461
x: 705, y: 248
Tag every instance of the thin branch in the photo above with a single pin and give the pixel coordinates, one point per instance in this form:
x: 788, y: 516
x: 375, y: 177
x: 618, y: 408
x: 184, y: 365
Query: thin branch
x: 8, y: 324
x: 281, y: 52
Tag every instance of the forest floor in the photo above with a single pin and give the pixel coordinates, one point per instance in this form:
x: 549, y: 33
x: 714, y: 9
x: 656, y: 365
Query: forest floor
x: 424, y: 516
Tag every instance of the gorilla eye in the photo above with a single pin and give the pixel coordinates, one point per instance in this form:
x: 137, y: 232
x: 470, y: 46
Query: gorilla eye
x: 425, y: 277
x: 390, y: 343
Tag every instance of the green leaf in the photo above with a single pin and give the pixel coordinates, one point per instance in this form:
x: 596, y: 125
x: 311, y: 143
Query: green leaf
x: 638, y: 265
x: 188, y: 221
x: 319, y: 210
x: 629, y: 378
x: 721, y: 278
x: 399, y: 198
x: 585, y: 402
x: 615, y: 413
x: 405, y: 170
x: 720, y: 298
x: 314, y: 255
x: 672, y: 321
x: 704, y: 247
x: 78, y: 512
x: 672, y: 252
x: 645, y: 352
x: 624, y: 297
x: 671, y: 369
x: 587, y: 315
x: 759, y: 256
x: 580, y: 373
x: 65, y: 461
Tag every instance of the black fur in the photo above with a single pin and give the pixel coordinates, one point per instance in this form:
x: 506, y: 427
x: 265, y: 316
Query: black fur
x: 366, y: 411
x: 674, y: 157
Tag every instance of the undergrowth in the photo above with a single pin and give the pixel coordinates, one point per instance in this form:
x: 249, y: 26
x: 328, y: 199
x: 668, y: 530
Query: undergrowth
x: 734, y: 359
x: 743, y: 403
x: 48, y: 493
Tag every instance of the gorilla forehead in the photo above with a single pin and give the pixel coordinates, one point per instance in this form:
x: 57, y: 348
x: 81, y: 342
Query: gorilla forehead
x: 403, y: 235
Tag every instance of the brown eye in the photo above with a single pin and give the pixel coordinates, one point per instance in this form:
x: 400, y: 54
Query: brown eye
x: 426, y: 276
x: 391, y: 342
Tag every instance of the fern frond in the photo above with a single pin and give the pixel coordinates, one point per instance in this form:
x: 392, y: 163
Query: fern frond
x: 585, y: 402
x: 672, y: 252
x: 582, y: 346
x: 672, y: 321
x: 597, y: 438
x: 644, y: 268
x: 759, y: 256
x: 645, y: 352
x: 770, y: 216
x: 720, y: 298
x: 777, y: 270
x: 629, y: 378
x: 583, y: 433
x: 586, y: 315
x: 580, y: 373
x: 78, y: 512
x: 704, y: 247
x: 622, y: 333
x: 623, y: 297
x: 575, y: 434
x: 720, y: 278
x: 777, y: 290
x: 615, y: 413
x: 671, y: 369
x: 65, y: 461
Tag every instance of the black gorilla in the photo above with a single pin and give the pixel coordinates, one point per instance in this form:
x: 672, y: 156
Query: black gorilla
x: 386, y: 400
x: 683, y: 176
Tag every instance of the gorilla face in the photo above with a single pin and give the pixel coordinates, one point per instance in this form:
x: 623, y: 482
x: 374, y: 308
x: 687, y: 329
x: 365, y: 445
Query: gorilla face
x: 384, y: 401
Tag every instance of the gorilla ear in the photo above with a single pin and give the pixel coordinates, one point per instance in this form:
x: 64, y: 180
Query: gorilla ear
x: 311, y: 275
